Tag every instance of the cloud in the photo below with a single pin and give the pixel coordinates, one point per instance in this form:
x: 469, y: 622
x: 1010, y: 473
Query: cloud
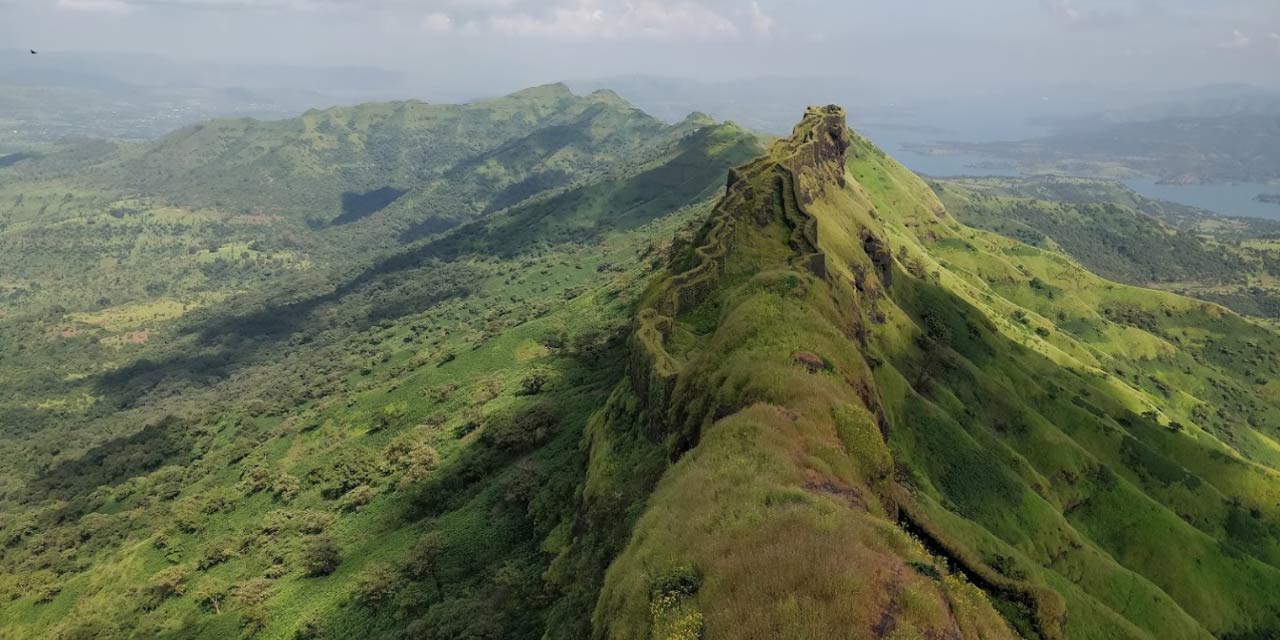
x: 95, y: 6
x: 547, y: 19
x: 635, y: 19
x: 437, y: 22
x: 1116, y: 14
x: 1063, y: 11
x: 126, y: 6
x: 1238, y: 40
x: 761, y: 22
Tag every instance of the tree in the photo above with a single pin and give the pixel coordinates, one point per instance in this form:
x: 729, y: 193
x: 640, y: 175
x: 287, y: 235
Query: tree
x: 165, y: 584
x: 521, y: 429
x: 388, y: 416
x: 357, y: 497
x: 459, y: 619
x: 533, y: 383
x: 377, y: 585
x: 212, y: 596
x: 321, y: 556
x: 423, y: 562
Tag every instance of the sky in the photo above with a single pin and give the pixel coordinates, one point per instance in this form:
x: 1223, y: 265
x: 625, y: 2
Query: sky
x: 458, y: 48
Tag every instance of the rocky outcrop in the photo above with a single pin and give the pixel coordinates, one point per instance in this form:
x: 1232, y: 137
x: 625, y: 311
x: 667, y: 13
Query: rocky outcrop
x: 776, y: 188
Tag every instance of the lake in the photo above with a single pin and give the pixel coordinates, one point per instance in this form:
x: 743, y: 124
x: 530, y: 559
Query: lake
x: 1226, y: 199
x: 1238, y: 199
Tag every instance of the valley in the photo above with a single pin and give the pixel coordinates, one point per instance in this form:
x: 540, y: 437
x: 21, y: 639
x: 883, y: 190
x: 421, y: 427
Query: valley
x: 544, y: 366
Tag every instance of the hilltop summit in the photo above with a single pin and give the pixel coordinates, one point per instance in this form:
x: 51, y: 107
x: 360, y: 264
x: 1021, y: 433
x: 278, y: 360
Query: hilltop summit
x: 857, y: 394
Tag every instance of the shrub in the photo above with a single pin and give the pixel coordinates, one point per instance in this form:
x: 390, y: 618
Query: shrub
x: 389, y: 416
x: 313, y: 522
x: 309, y: 630
x: 188, y: 517
x: 681, y: 582
x: 534, y: 382
x: 459, y: 619
x: 165, y: 584
x: 89, y: 626
x: 47, y: 592
x: 211, y: 596
x: 357, y: 497
x: 377, y: 585
x: 350, y: 469
x: 519, y: 430
x: 440, y: 393
x: 424, y: 559
x: 411, y: 456
x: 213, y: 554
x: 252, y: 593
x: 321, y: 556
x: 253, y: 620
x: 259, y: 478
x: 523, y: 484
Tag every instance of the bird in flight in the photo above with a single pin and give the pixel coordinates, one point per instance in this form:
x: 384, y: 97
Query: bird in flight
x: 33, y: 51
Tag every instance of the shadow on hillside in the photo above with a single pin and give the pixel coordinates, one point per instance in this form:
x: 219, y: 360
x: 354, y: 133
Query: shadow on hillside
x: 113, y: 462
x: 356, y: 206
x: 587, y: 213
x: 430, y: 272
x: 224, y: 344
x: 15, y: 158
x: 524, y: 486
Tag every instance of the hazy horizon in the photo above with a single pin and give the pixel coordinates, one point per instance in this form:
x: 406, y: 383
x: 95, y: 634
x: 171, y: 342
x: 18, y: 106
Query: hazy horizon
x: 459, y: 49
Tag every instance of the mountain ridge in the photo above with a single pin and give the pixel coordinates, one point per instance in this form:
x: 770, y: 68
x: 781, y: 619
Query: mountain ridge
x: 705, y: 390
x: 706, y: 399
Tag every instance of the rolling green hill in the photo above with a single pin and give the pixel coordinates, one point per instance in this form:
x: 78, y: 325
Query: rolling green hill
x: 627, y: 402
x: 160, y: 351
x: 870, y: 404
x: 1122, y: 236
x: 101, y: 270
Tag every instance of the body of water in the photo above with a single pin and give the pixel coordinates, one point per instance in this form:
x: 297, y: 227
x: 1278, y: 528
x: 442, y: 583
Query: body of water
x: 1226, y: 199
x: 897, y: 142
x: 948, y: 165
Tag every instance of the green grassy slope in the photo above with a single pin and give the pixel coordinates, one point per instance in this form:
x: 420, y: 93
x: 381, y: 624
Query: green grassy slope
x: 1125, y: 237
x: 632, y: 405
x: 191, y: 459
x: 888, y: 424
x: 96, y: 276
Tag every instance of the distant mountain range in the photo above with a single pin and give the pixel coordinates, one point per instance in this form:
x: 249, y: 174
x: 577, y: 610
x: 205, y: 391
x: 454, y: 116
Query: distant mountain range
x: 53, y: 95
x: 546, y: 366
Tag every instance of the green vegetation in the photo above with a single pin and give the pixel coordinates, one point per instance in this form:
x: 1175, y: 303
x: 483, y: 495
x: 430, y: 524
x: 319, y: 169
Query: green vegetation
x: 222, y: 423
x: 928, y: 424
x: 560, y: 382
x: 1125, y: 237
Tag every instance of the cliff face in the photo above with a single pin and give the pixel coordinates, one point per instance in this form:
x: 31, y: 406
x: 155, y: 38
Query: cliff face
x: 857, y: 420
